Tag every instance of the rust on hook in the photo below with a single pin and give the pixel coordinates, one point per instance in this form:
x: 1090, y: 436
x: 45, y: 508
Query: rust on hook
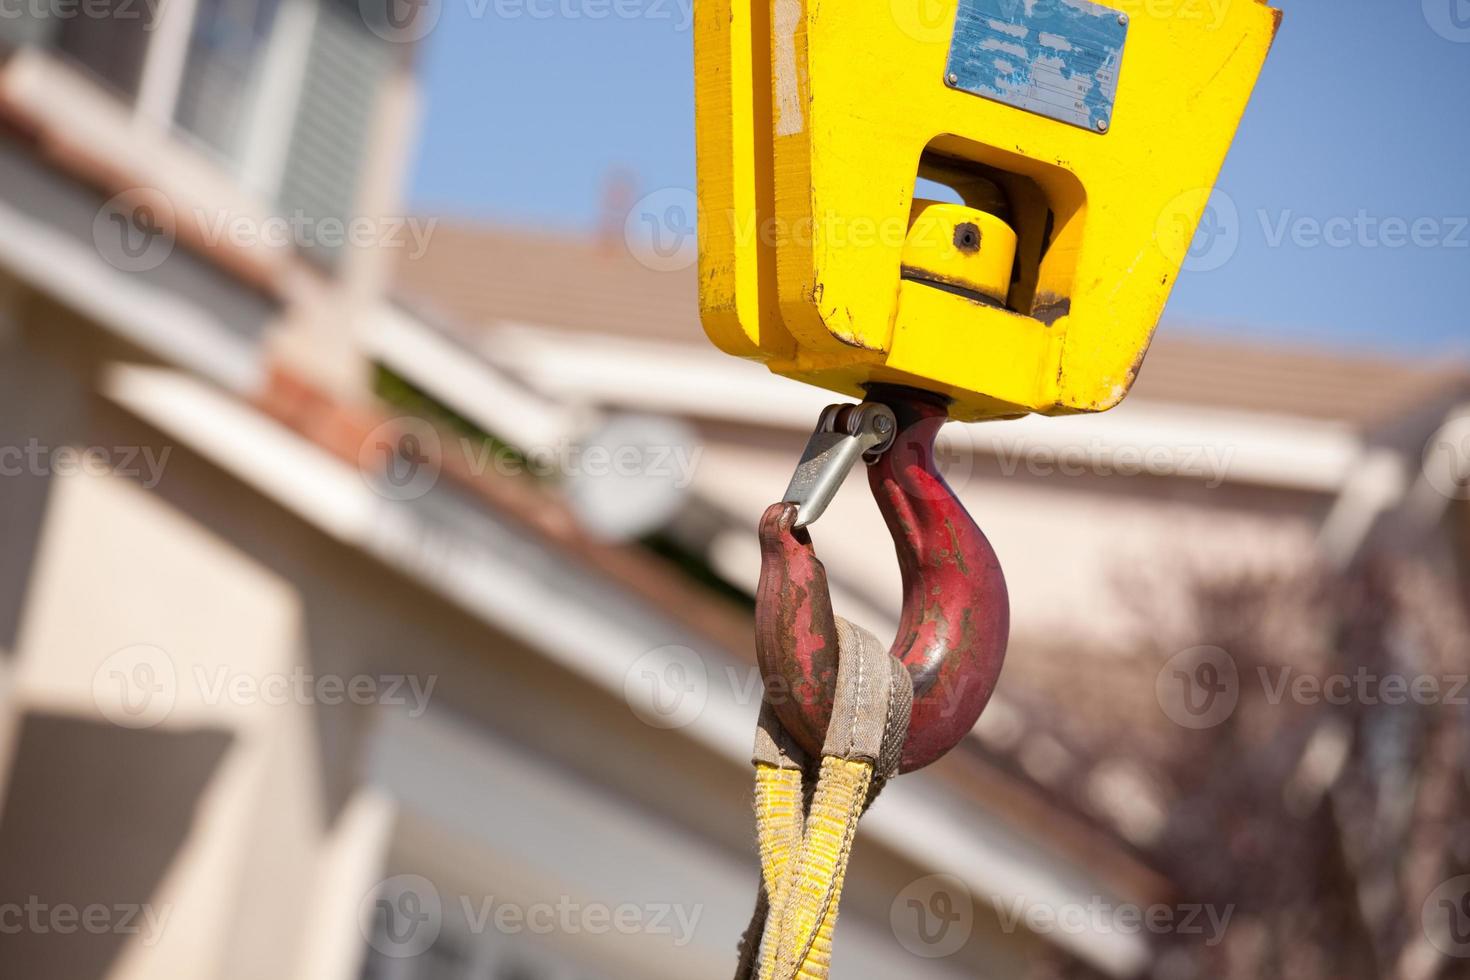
x: 956, y: 613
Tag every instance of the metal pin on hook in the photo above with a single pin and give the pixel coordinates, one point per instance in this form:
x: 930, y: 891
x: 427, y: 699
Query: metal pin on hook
x: 843, y: 434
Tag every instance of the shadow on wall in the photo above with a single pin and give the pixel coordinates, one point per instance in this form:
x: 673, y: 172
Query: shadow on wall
x: 93, y: 818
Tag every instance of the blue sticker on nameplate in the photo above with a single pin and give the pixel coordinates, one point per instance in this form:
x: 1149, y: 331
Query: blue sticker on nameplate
x: 1056, y: 58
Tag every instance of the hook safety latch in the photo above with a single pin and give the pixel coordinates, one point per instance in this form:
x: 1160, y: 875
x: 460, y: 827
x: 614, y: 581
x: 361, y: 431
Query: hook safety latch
x: 955, y: 622
x: 843, y: 433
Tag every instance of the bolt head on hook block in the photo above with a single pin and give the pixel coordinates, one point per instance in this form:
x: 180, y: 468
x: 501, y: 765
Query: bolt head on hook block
x: 956, y: 612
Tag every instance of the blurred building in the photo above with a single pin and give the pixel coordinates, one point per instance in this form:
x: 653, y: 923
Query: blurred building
x: 328, y: 649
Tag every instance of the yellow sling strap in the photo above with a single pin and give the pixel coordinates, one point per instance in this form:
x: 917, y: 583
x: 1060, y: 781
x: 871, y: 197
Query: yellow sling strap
x: 804, y: 846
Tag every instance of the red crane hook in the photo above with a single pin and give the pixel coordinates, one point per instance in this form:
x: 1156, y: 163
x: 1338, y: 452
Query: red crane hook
x: 956, y: 612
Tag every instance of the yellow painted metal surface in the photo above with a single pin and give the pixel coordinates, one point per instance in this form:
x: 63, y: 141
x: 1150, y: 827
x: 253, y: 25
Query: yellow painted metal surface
x: 814, y: 121
x: 964, y: 249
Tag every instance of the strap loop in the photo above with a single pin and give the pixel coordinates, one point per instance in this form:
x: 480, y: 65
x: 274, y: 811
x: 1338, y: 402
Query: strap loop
x: 805, y: 847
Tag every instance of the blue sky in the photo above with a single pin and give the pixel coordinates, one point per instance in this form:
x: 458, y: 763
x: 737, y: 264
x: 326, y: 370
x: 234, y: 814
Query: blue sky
x: 1358, y: 135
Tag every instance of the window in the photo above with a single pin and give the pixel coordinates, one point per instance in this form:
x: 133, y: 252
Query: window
x: 334, y: 115
x: 284, y: 94
x: 108, y: 39
x: 222, y: 72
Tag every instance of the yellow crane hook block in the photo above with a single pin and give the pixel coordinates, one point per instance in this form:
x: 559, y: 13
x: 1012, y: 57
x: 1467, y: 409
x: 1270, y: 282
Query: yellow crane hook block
x: 1082, y: 138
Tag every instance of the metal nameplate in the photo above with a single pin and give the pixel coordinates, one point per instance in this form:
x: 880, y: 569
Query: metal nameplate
x: 1056, y: 58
